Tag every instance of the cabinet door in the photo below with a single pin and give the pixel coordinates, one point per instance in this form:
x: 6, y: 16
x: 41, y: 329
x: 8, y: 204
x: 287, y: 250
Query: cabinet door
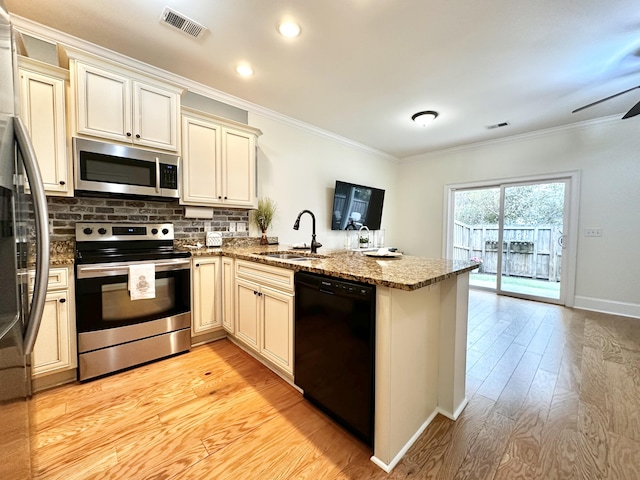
x: 103, y: 103
x: 247, y: 303
x: 238, y: 167
x: 52, y: 350
x: 227, y: 294
x: 200, y: 167
x: 276, y: 336
x: 42, y: 109
x: 206, y: 303
x: 155, y: 117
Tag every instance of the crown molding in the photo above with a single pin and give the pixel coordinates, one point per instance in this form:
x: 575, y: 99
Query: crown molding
x: 515, y: 138
x: 47, y: 34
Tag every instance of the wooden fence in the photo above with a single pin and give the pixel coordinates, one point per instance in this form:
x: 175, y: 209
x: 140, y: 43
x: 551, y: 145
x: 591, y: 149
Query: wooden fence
x: 533, y: 252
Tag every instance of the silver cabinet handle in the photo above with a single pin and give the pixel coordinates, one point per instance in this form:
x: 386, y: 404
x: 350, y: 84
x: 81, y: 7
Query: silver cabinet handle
x: 42, y: 235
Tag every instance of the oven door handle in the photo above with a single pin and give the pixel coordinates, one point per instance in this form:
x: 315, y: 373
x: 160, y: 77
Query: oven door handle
x: 112, y: 270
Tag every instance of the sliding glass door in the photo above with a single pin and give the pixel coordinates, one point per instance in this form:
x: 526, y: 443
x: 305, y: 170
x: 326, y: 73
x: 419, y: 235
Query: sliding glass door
x: 517, y: 231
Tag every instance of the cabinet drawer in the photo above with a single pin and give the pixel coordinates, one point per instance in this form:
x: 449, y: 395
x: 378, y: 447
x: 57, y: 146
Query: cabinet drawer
x: 281, y: 278
x: 58, y: 278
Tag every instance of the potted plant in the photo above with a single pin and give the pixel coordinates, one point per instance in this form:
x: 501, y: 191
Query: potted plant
x: 263, y: 216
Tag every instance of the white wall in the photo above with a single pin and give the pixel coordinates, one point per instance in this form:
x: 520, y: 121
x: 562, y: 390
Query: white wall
x: 298, y: 169
x: 608, y: 155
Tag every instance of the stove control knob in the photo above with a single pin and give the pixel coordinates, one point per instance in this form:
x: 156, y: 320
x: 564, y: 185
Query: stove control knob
x: 102, y: 231
x: 154, y: 231
x: 165, y: 231
x: 88, y: 231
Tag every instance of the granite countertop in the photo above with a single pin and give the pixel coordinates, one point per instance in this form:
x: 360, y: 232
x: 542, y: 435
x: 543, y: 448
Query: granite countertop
x: 405, y: 272
x: 61, y: 253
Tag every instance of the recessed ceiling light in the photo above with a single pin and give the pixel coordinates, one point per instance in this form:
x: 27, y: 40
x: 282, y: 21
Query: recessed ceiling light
x: 244, y: 70
x: 289, y: 29
x: 424, y: 118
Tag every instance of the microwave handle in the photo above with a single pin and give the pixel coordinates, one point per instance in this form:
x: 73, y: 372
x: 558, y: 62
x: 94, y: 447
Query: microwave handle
x: 157, y: 175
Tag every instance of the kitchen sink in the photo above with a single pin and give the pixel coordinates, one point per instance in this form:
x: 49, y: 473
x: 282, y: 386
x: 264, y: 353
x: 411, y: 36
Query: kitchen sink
x: 293, y: 256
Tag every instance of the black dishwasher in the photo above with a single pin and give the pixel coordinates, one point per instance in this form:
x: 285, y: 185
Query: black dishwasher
x: 335, y: 349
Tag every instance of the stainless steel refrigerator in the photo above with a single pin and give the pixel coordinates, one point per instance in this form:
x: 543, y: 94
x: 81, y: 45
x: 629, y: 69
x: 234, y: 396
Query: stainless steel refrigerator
x: 23, y: 234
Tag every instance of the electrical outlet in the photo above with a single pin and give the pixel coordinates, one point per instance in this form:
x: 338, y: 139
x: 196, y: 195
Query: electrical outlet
x: 232, y: 226
x: 592, y: 232
x: 241, y: 227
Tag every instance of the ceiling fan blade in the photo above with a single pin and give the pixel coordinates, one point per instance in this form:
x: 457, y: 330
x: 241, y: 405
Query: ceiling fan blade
x: 605, y: 99
x: 635, y: 110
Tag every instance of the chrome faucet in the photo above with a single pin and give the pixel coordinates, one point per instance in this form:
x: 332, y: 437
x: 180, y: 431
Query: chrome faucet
x: 314, y: 245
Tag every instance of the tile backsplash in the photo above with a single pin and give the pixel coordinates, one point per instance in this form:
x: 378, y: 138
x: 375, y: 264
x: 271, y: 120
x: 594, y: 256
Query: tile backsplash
x: 65, y: 212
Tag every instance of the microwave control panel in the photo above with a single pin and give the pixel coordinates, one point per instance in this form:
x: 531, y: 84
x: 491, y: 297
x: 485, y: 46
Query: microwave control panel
x: 168, y: 176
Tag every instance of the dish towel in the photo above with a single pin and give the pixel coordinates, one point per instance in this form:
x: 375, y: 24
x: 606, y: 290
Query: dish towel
x: 142, y: 281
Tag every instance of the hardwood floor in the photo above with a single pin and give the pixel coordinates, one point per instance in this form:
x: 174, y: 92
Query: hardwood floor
x: 554, y: 394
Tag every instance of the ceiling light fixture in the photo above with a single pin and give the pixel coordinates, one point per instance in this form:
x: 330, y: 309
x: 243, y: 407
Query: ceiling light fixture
x: 244, y: 70
x: 289, y: 29
x: 424, y: 118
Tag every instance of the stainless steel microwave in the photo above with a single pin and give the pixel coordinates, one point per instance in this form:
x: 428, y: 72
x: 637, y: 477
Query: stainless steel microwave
x: 110, y: 169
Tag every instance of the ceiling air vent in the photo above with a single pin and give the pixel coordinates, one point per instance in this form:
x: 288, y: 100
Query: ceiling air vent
x: 181, y: 22
x: 497, y: 125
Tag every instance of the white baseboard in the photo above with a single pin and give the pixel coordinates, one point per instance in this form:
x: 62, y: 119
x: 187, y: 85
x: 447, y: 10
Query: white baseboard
x: 387, y: 467
x: 607, y: 306
x: 455, y: 414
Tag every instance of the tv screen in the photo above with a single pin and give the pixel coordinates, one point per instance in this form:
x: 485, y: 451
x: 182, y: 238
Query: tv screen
x: 355, y: 206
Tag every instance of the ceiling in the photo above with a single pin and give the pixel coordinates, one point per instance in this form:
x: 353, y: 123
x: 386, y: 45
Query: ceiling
x: 361, y: 68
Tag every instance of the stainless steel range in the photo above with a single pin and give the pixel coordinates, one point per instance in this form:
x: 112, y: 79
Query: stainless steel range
x: 122, y: 323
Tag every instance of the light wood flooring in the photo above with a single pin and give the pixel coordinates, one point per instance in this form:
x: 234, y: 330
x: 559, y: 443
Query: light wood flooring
x: 554, y: 394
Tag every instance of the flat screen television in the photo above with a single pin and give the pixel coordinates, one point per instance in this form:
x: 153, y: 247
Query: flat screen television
x: 355, y: 206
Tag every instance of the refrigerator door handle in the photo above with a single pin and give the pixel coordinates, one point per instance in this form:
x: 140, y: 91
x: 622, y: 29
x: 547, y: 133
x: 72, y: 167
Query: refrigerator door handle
x: 42, y: 235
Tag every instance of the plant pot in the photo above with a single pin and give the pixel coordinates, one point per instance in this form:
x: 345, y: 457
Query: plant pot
x: 263, y: 239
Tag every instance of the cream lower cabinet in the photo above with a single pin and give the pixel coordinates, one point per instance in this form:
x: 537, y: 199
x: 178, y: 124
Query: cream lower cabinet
x: 205, y: 311
x: 42, y: 108
x: 55, y: 347
x: 228, y: 307
x: 264, y: 311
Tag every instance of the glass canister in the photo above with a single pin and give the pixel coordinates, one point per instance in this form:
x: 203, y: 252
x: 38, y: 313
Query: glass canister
x: 378, y: 238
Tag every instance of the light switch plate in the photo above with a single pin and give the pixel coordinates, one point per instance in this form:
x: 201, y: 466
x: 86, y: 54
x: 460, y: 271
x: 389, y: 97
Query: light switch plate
x: 241, y: 227
x: 592, y: 232
x: 232, y: 226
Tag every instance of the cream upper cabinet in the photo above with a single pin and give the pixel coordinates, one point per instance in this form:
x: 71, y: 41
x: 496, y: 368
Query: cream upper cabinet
x: 200, y: 166
x: 42, y: 108
x: 206, y: 294
x: 264, y: 311
x: 238, y: 167
x: 123, y: 105
x: 218, y: 161
x: 55, y: 347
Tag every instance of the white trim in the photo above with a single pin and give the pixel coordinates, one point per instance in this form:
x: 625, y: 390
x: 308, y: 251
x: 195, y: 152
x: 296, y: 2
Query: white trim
x: 573, y: 177
x: 624, y: 309
x: 515, y: 138
x: 387, y: 467
x: 45, y: 33
x: 457, y: 413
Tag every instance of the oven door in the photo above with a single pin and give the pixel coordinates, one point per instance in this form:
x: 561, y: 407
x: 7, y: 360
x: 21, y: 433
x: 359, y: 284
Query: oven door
x: 103, y: 300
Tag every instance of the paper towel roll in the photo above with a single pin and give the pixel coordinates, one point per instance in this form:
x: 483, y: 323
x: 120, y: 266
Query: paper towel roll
x: 198, y: 212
